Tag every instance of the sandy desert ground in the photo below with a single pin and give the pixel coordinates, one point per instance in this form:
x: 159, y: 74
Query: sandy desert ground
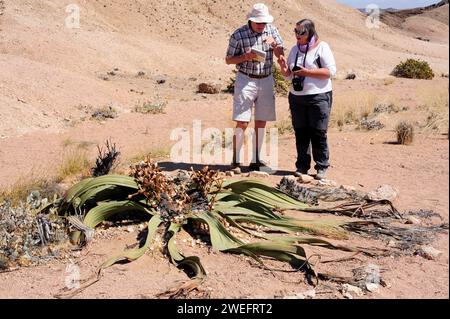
x: 52, y: 77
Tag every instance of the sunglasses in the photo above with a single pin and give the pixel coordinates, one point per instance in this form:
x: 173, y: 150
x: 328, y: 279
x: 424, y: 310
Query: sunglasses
x: 261, y: 23
x: 300, y: 32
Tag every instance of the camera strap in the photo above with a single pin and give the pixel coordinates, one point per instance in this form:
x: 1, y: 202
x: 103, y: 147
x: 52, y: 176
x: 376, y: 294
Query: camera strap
x: 304, y: 58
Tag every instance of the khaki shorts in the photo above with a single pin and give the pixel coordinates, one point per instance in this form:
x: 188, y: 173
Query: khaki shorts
x: 249, y: 91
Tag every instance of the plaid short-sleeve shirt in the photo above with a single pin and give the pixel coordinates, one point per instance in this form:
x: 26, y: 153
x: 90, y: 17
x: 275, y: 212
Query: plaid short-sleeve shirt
x: 243, y: 39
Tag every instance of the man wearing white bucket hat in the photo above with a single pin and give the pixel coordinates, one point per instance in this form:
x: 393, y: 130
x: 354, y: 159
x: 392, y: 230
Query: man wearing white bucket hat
x: 251, y: 48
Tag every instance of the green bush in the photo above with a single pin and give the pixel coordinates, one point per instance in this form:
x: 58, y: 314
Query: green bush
x: 413, y: 69
x: 281, y: 86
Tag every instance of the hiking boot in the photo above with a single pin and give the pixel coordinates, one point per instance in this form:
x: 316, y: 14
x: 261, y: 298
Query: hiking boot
x: 260, y: 167
x: 321, y: 174
x: 235, y: 168
x: 300, y: 172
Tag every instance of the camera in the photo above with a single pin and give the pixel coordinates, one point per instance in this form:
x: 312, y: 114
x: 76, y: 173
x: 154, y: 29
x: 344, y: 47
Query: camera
x: 297, y: 83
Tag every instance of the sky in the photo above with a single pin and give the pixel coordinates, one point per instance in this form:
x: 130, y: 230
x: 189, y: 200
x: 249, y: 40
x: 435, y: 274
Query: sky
x: 398, y: 4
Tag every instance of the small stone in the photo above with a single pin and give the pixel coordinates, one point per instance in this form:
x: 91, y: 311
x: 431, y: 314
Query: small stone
x: 130, y: 229
x: 347, y: 295
x: 348, y: 188
x: 327, y: 182
x: 411, y: 220
x: 141, y: 73
x: 290, y: 179
x: 429, y: 252
x: 229, y: 173
x: 160, y: 81
x: 310, y: 294
x: 258, y: 174
x: 346, y: 288
x: 305, y: 178
x: 209, y: 88
x: 372, y: 287
x: 384, y: 192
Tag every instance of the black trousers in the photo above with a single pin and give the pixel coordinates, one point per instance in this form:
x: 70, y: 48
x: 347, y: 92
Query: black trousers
x: 310, y: 116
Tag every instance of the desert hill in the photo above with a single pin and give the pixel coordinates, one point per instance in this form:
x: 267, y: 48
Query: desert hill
x: 49, y: 71
x: 428, y: 23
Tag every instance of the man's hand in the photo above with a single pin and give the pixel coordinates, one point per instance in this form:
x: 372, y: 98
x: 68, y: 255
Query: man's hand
x: 249, y: 56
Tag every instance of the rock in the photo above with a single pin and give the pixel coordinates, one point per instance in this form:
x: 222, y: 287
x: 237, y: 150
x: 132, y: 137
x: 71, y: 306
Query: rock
x: 141, y: 73
x: 347, y: 295
x: 209, y: 88
x: 429, y: 252
x: 290, y: 179
x: 327, y: 182
x: 258, y: 174
x: 411, y: 220
x: 304, y: 178
x: 348, y: 188
x: 384, y: 192
x: 352, y: 290
x: 310, y: 294
x: 372, y: 287
x: 160, y: 81
x: 130, y: 229
x: 350, y: 76
x: 229, y: 173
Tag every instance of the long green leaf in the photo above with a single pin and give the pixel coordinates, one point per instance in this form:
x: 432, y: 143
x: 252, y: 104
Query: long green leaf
x: 221, y: 239
x: 134, y: 254
x: 265, y: 194
x: 286, y: 252
x: 105, y: 210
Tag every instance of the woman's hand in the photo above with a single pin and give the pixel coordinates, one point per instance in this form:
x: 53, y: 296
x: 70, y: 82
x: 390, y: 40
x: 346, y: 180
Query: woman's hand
x: 322, y: 73
x: 302, y: 72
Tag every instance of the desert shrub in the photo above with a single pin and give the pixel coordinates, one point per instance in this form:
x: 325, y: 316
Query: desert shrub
x: 230, y: 85
x: 103, y: 113
x: 413, y: 69
x: 75, y: 162
x: 281, y: 85
x: 149, y: 107
x: 352, y: 107
x: 405, y: 133
x: 284, y: 126
x: 370, y: 124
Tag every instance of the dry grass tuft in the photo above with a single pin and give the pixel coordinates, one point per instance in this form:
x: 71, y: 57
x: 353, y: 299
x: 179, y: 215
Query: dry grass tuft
x: 405, y: 133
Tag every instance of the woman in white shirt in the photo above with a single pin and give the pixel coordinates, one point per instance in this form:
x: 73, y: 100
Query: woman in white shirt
x: 309, y: 67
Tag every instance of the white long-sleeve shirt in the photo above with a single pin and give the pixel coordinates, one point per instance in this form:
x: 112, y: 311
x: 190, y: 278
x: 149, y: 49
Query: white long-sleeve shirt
x: 313, y: 85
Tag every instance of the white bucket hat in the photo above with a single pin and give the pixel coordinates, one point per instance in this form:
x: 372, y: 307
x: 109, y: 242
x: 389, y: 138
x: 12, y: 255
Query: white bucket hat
x: 260, y: 14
